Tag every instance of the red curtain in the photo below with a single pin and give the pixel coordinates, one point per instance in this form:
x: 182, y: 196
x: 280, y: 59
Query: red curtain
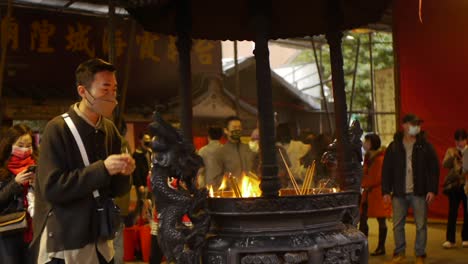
x: 433, y: 68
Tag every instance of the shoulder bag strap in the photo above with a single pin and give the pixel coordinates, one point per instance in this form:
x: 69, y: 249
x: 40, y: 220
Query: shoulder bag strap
x: 80, y: 144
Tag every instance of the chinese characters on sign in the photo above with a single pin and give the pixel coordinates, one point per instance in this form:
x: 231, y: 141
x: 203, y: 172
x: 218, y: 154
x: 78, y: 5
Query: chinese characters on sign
x: 147, y: 45
x: 385, y: 102
x: 41, y: 32
x: 47, y: 36
x: 78, y: 39
x: 120, y: 44
x: 10, y: 31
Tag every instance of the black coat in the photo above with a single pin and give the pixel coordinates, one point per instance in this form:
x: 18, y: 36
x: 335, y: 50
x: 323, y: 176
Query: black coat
x: 13, y: 248
x: 141, y: 168
x: 64, y: 186
x: 11, y: 195
x: 425, y: 167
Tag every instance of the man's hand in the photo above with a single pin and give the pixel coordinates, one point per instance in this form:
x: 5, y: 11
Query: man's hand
x: 120, y: 164
x: 430, y: 197
x: 129, y: 166
x: 387, y: 198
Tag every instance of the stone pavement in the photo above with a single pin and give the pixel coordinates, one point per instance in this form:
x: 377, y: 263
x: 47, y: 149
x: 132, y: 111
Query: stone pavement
x: 435, y: 253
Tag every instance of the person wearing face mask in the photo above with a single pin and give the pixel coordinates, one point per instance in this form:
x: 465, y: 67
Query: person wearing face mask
x: 453, y: 188
x: 66, y: 209
x: 234, y: 157
x: 18, y: 152
x: 208, y: 154
x: 410, y: 178
x: 372, y: 204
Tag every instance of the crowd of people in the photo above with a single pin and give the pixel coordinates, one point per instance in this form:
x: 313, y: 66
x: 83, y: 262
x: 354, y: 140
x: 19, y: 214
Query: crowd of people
x: 406, y: 175
x: 83, y: 159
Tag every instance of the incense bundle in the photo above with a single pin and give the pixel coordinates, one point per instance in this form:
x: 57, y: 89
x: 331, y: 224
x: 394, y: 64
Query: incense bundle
x: 291, y: 176
x: 235, y: 187
x: 309, y: 178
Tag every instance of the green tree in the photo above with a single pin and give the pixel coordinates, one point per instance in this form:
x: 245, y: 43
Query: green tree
x: 382, y: 50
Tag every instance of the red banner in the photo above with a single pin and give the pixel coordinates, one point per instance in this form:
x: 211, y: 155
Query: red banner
x: 433, y: 63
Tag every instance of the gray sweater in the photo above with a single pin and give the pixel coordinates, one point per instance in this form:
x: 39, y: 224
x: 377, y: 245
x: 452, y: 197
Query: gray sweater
x: 230, y: 158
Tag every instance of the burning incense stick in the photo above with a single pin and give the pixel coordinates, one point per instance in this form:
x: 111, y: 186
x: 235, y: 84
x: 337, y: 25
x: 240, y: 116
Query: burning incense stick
x: 291, y: 176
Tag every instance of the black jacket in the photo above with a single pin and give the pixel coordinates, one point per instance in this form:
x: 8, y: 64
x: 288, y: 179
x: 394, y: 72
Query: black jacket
x: 141, y: 168
x: 64, y: 186
x: 425, y: 167
x: 11, y: 195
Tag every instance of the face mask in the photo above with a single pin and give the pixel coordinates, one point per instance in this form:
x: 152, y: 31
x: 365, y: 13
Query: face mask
x: 20, y: 152
x: 236, y: 135
x: 461, y: 149
x: 253, y: 145
x: 103, y: 106
x: 414, y: 130
x: 147, y: 144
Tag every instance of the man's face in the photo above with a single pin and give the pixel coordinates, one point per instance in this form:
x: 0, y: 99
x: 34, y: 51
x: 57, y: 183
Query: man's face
x: 100, y: 96
x: 410, y: 128
x: 233, y: 130
x: 104, y: 85
x: 461, y: 144
x: 406, y: 127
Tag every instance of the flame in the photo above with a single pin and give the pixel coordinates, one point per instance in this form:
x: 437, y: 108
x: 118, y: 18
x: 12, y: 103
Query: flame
x: 250, y: 186
x: 223, y: 184
x: 210, y: 188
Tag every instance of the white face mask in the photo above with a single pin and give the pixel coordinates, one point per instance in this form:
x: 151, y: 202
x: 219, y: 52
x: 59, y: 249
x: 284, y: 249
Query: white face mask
x: 414, y: 130
x: 462, y: 149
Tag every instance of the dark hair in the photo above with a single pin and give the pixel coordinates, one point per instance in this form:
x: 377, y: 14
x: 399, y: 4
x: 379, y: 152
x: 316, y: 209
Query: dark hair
x: 460, y: 134
x: 85, y: 72
x: 6, y: 145
x: 215, y: 133
x: 230, y: 119
x: 283, y: 133
x: 374, y: 140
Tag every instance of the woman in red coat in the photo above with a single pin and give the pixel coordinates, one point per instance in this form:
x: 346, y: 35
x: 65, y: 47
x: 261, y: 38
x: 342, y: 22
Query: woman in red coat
x: 372, y: 204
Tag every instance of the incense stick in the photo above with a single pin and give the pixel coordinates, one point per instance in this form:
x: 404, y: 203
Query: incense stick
x: 321, y: 188
x: 311, y: 178
x: 235, y: 187
x: 308, y: 179
x: 291, y: 176
x: 304, y: 183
